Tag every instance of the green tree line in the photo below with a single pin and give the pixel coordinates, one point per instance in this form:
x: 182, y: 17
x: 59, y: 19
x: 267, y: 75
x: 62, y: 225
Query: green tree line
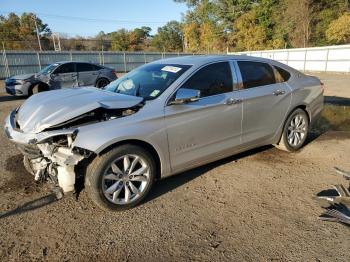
x: 208, y: 26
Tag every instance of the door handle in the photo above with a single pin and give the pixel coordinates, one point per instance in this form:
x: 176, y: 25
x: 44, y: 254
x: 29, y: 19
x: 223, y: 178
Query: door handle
x: 279, y: 92
x: 232, y: 101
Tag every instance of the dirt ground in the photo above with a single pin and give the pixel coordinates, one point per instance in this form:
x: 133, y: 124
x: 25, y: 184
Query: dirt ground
x: 255, y: 206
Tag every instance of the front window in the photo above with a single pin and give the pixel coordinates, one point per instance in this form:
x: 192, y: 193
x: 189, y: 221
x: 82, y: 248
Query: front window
x: 211, y: 80
x: 148, y: 81
x: 48, y: 69
x: 65, y: 68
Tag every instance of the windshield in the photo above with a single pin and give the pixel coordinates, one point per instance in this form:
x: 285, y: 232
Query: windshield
x: 48, y: 69
x: 148, y: 81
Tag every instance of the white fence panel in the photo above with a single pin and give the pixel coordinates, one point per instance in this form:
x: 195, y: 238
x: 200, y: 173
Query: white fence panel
x: 326, y: 59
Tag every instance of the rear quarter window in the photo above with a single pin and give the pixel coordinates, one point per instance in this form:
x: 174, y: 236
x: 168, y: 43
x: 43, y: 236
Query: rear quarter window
x: 281, y: 74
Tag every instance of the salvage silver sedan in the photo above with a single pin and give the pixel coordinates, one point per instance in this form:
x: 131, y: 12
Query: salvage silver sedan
x: 160, y: 119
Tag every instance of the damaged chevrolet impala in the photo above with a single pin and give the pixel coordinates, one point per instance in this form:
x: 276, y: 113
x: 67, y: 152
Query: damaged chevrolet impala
x: 160, y: 119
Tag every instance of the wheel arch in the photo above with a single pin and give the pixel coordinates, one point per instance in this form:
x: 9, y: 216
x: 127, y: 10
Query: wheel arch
x: 145, y: 145
x: 41, y: 85
x: 303, y: 107
x: 99, y: 78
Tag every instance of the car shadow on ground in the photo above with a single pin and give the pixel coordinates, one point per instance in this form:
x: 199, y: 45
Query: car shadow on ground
x: 7, y: 98
x: 22, y: 182
x: 168, y: 184
x: 335, y: 117
x: 31, y: 205
x: 337, y: 101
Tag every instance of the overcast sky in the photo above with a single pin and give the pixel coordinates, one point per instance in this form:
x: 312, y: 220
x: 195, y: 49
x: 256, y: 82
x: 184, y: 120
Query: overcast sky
x: 70, y: 16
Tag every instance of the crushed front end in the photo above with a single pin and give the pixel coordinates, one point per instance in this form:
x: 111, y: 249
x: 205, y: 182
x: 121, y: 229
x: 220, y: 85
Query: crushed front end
x: 49, y: 155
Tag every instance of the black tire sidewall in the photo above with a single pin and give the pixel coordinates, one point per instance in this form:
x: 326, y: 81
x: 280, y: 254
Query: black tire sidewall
x: 285, y: 130
x: 101, y: 80
x: 93, y: 181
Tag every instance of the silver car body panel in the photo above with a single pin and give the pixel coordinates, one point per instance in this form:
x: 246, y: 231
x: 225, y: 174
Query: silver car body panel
x: 184, y: 136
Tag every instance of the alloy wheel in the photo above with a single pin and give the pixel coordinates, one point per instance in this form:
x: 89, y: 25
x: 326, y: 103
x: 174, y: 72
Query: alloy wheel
x: 297, y: 130
x: 126, y: 179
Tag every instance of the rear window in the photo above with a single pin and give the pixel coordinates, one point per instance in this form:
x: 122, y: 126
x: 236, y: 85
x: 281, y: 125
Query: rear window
x: 97, y: 67
x: 256, y: 74
x: 282, y: 75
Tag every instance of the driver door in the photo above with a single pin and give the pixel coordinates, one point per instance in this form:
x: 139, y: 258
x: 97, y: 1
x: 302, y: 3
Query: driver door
x: 210, y: 127
x: 64, y: 76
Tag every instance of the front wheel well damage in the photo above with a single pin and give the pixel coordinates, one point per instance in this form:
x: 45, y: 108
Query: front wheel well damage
x: 40, y: 85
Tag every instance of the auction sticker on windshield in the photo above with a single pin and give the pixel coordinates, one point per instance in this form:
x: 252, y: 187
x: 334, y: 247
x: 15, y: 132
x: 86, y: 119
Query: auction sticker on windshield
x: 154, y: 93
x: 171, y: 69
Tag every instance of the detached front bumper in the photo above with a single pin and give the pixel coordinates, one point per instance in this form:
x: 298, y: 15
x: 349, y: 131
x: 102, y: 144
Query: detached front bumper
x: 13, y: 132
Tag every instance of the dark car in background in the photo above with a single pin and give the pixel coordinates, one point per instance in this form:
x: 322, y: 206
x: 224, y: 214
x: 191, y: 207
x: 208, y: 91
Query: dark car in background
x: 60, y: 75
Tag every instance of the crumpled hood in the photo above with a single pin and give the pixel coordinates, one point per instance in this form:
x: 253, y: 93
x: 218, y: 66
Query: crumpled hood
x: 51, y: 108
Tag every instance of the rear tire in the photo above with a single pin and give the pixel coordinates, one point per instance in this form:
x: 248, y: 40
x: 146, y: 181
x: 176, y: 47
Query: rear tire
x: 295, y: 131
x: 121, y: 178
x: 102, y: 82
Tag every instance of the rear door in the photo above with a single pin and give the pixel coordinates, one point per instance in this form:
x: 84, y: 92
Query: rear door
x: 265, y: 101
x: 207, y: 128
x: 64, y: 76
x: 87, y: 74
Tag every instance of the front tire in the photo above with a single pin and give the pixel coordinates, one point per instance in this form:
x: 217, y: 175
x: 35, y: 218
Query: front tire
x: 41, y: 87
x: 121, y: 178
x: 295, y: 131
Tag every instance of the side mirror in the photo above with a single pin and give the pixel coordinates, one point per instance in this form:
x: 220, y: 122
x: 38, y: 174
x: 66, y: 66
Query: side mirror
x: 185, y: 95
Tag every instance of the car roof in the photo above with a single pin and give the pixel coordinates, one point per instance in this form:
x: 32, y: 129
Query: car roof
x: 64, y: 62
x: 200, y: 60
x: 204, y: 59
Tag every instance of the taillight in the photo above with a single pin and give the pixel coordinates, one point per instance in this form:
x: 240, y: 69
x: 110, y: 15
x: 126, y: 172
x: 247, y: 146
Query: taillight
x: 322, y: 86
x: 114, y: 72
